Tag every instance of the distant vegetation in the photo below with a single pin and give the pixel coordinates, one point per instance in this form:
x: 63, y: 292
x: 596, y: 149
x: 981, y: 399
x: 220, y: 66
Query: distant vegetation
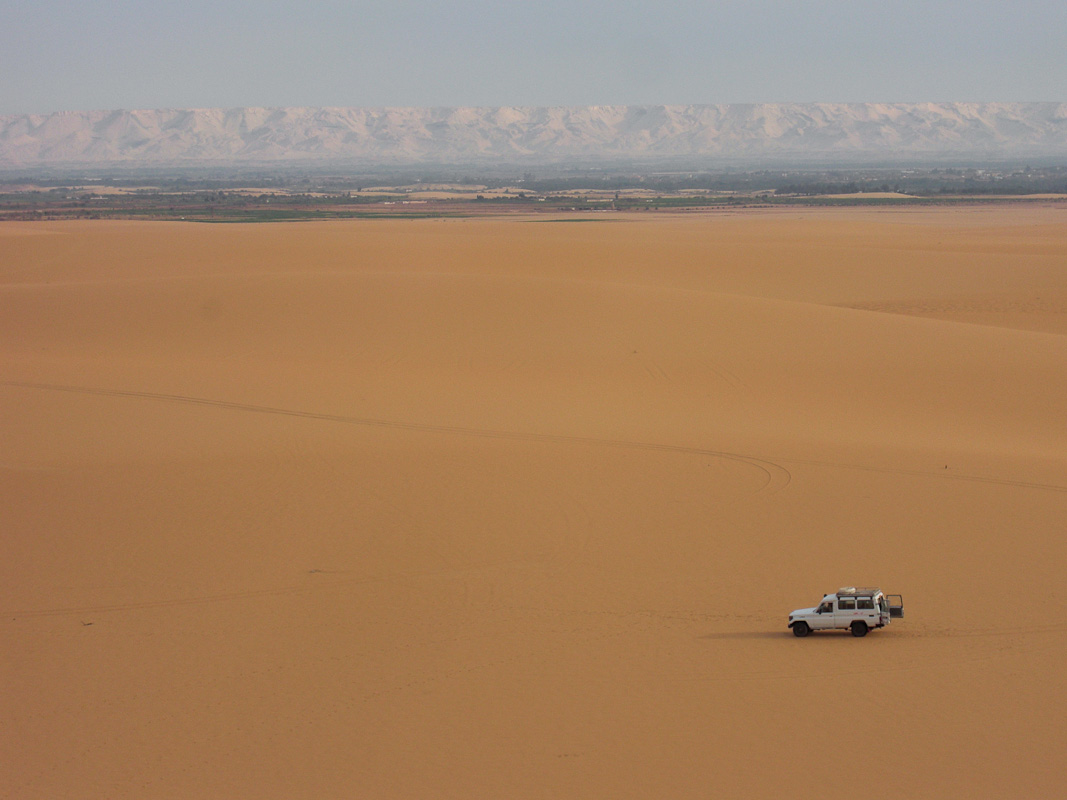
x: 294, y: 195
x: 922, y: 182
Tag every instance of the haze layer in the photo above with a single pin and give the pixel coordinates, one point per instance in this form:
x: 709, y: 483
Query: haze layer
x: 511, y: 508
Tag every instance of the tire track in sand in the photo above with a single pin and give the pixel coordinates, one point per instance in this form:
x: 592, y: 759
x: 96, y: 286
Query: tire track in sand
x: 776, y: 477
x: 252, y: 594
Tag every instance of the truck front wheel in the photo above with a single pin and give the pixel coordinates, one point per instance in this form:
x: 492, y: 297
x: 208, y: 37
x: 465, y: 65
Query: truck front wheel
x: 801, y: 629
x: 859, y: 628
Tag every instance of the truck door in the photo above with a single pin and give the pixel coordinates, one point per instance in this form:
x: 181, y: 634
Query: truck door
x: 823, y: 618
x: 846, y: 612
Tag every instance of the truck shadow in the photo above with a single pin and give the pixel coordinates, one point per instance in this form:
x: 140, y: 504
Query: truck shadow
x: 829, y: 636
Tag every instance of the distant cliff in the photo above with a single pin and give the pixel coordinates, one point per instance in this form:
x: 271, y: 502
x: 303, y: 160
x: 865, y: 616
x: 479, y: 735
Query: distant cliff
x: 852, y: 131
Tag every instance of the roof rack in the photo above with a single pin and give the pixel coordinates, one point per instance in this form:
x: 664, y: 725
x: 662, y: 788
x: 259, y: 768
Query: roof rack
x: 853, y: 591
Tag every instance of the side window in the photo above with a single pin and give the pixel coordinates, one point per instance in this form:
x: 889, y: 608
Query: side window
x: 846, y: 603
x: 866, y: 603
x: 826, y: 607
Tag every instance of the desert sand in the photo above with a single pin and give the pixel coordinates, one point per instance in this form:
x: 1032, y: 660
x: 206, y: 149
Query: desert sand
x: 507, y: 508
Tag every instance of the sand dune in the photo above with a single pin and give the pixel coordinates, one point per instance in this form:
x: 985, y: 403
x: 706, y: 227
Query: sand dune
x: 515, y: 508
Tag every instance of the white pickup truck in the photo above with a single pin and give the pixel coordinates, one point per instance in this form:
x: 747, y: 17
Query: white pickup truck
x: 852, y: 609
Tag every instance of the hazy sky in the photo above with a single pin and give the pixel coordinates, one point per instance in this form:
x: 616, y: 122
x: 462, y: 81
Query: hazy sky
x: 90, y: 54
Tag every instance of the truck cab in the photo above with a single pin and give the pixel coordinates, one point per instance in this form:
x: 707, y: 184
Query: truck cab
x: 857, y: 610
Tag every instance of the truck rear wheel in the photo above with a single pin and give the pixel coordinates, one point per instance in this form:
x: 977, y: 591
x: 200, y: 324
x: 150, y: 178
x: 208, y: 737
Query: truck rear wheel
x: 859, y: 628
x: 801, y: 629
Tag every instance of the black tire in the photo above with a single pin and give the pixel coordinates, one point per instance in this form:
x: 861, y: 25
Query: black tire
x: 859, y: 628
x: 801, y: 629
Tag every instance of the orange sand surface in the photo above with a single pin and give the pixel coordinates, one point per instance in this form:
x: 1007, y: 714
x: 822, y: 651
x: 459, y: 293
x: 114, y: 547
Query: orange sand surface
x: 518, y: 508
